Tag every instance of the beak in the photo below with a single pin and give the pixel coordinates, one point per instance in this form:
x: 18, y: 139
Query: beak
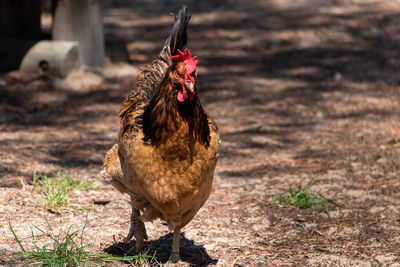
x: 190, y: 86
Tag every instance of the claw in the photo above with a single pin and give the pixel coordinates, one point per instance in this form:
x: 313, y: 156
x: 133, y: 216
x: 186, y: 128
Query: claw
x: 174, y: 257
x: 129, y: 236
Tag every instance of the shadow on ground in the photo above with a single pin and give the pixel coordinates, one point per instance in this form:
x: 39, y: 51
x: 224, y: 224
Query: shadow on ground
x: 161, y: 248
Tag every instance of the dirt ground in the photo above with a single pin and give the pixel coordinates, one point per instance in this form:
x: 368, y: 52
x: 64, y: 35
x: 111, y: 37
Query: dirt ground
x: 320, y: 77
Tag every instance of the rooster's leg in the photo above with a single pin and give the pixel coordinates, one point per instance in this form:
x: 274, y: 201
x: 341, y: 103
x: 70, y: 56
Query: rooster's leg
x: 131, y: 229
x: 175, y: 257
x: 137, y: 229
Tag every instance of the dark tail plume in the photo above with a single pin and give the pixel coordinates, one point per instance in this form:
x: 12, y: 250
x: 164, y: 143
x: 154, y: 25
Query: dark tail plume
x: 178, y: 36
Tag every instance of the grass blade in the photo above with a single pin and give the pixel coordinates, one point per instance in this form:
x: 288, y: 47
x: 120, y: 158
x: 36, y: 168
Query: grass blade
x: 301, y: 198
x: 16, y: 238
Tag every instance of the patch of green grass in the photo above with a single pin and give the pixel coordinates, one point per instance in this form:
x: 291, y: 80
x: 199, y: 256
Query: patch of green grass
x: 301, y: 198
x: 66, y: 251
x: 55, y: 191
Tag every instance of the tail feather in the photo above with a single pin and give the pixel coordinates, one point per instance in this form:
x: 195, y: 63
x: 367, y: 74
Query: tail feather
x: 178, y: 36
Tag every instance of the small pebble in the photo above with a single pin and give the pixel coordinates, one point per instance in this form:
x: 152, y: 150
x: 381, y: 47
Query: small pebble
x: 101, y: 201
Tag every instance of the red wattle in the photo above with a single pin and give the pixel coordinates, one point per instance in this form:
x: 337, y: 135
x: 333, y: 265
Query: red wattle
x: 181, y: 96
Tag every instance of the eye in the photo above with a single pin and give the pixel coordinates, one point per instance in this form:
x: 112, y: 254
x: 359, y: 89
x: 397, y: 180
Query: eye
x: 176, y: 75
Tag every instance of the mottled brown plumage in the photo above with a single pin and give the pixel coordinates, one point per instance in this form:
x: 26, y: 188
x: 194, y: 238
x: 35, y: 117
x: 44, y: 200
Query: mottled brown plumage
x: 167, y: 149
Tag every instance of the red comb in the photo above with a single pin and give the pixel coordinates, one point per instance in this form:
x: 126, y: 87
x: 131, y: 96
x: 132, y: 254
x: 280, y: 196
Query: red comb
x: 187, y: 59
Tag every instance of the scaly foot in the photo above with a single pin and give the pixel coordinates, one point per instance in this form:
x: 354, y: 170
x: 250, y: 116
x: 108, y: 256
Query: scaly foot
x: 137, y: 229
x: 174, y: 258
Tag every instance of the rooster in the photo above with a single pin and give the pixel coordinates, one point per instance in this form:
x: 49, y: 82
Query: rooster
x: 168, y: 145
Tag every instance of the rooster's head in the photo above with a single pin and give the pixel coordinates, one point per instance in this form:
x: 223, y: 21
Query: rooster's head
x: 183, y: 78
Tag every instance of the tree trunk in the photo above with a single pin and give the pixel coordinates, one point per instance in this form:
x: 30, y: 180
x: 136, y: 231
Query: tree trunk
x: 81, y: 21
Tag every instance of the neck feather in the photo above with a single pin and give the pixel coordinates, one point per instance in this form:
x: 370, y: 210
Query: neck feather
x: 164, y: 115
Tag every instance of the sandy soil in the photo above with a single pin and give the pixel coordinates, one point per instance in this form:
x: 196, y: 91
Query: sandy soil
x: 320, y: 77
